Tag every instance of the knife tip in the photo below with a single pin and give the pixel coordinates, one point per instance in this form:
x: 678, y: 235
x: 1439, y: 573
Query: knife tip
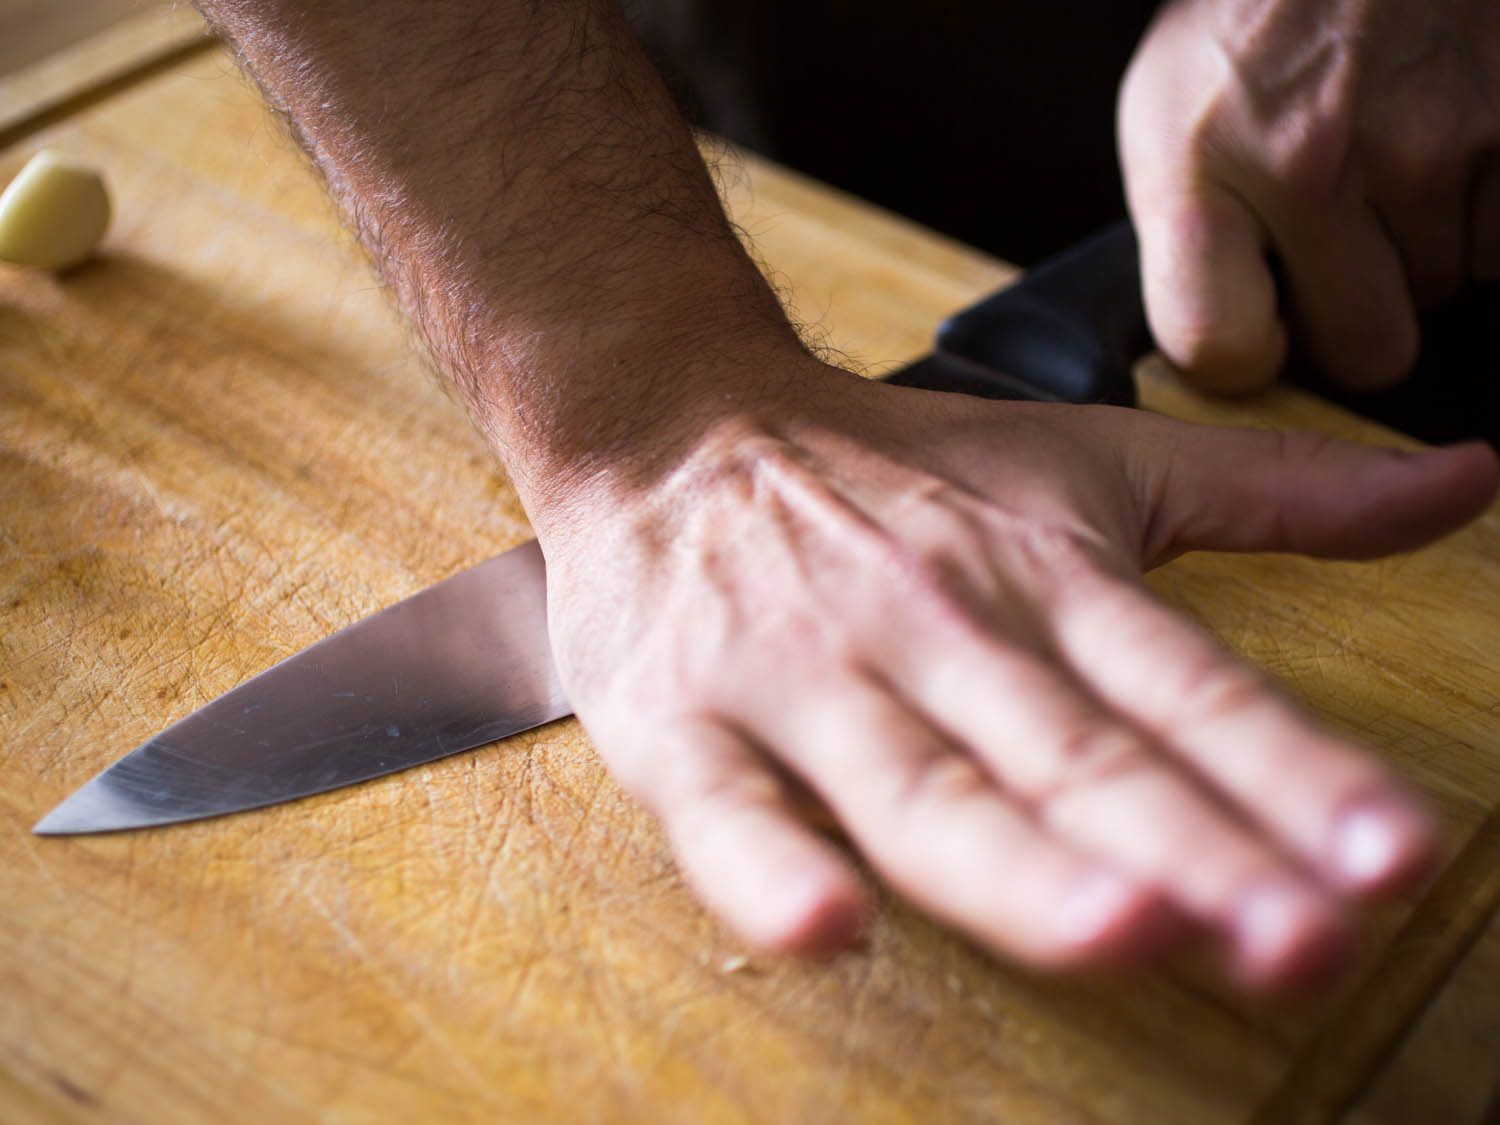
x: 61, y: 821
x: 93, y: 807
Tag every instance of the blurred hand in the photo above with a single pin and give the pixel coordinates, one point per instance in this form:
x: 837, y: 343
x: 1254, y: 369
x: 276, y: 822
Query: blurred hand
x: 1358, y: 143
x: 927, y: 610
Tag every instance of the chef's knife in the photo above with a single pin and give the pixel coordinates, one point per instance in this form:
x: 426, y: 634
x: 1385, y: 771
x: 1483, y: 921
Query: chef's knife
x: 467, y: 661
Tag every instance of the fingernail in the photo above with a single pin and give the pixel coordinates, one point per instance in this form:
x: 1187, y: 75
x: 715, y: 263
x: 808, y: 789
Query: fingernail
x: 1093, y: 906
x: 1374, y: 840
x: 1367, y: 846
x: 1275, y: 927
x: 1285, y: 936
x: 1268, y: 921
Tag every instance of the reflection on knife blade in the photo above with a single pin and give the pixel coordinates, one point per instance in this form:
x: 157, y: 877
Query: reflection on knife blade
x: 459, y: 665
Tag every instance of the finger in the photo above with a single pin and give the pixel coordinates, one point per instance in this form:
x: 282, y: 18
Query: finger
x: 749, y: 859
x: 1418, y: 176
x: 936, y: 828
x: 1484, y: 221
x: 1210, y: 296
x: 1213, y: 488
x: 1348, y: 288
x: 1430, y: 232
x: 1104, y: 788
x: 1325, y: 800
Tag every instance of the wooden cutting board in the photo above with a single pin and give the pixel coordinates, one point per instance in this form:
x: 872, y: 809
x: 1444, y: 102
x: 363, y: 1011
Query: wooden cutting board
x: 217, y: 444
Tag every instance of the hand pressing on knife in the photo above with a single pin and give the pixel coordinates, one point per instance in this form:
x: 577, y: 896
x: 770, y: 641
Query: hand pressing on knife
x: 1355, y: 144
x: 767, y: 576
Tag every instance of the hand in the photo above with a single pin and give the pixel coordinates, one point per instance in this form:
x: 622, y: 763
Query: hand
x: 1357, y: 143
x: 926, y: 611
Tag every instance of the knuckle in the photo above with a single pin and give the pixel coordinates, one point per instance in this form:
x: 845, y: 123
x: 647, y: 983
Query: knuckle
x: 1211, y: 307
x: 1230, y: 352
x: 1299, y: 450
x: 1420, y: 144
x: 1066, y: 557
x: 1093, y: 758
x: 1266, y: 518
x: 926, y: 573
x: 959, y: 593
x: 718, y: 787
x: 688, y: 766
x: 1225, y: 354
x: 1094, y: 751
x: 1217, y: 691
x: 638, y: 769
x: 713, y: 802
x: 1302, y: 449
x: 938, y: 781
x: 796, y: 636
x: 932, y: 581
x: 1418, y: 162
x: 1308, y: 159
x: 967, y: 560
x: 1306, y: 447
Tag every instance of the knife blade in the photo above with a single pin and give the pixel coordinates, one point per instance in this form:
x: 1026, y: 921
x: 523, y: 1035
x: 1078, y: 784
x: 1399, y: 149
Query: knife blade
x: 467, y: 661
x: 462, y: 663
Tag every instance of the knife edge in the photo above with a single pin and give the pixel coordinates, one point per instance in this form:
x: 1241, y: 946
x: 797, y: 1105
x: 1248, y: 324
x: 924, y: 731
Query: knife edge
x: 455, y: 666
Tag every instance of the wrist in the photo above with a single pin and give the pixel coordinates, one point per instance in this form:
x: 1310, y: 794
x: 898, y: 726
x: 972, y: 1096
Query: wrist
x: 595, y: 410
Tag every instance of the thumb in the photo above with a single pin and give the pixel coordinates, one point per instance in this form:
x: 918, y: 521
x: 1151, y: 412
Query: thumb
x: 1222, y: 489
x: 1210, y: 296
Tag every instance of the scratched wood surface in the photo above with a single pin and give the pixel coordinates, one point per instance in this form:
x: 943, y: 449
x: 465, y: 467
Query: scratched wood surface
x: 217, y: 445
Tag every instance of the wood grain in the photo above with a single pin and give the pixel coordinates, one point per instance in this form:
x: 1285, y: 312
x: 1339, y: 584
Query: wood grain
x: 219, y: 445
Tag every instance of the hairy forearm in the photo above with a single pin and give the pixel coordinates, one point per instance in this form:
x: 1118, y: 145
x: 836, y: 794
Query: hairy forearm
x: 530, y: 192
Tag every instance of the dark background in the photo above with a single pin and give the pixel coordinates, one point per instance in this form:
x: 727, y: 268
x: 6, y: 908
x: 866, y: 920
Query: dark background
x: 989, y: 121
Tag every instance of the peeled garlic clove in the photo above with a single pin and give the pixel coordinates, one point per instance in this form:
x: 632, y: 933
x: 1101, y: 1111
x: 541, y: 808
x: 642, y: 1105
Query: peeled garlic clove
x: 53, y: 213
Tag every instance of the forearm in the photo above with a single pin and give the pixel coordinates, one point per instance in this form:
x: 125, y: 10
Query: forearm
x: 530, y: 192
